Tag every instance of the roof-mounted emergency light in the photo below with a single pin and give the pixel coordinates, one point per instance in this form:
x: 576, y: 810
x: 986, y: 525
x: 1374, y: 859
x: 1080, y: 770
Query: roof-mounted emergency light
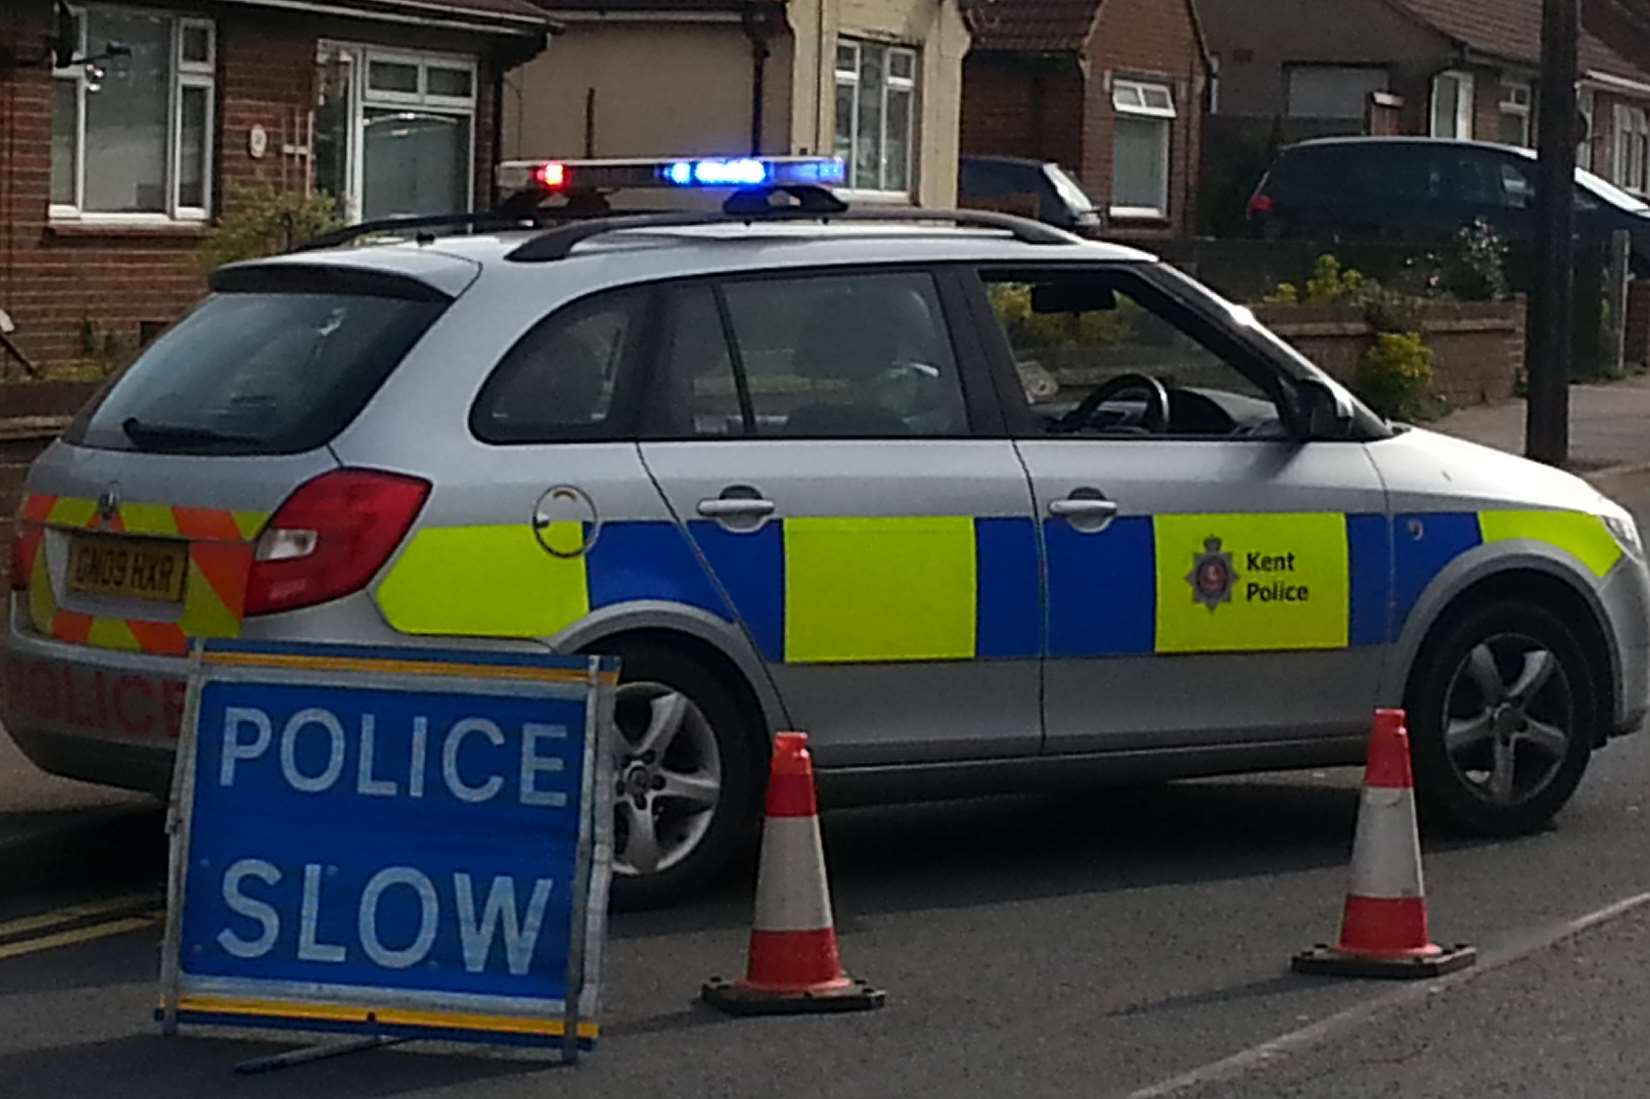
x: 564, y: 177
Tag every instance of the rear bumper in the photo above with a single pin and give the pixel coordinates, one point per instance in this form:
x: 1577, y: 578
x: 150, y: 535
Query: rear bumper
x: 92, y: 714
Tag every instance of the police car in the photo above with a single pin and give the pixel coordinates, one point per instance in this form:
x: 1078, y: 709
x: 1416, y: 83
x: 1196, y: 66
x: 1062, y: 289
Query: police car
x: 977, y: 504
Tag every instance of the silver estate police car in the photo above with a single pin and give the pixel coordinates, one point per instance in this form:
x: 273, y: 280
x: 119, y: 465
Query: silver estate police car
x: 976, y: 504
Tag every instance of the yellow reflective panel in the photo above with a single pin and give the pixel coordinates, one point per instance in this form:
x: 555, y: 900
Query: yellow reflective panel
x: 148, y: 519
x: 1250, y: 583
x: 70, y: 512
x: 42, y: 603
x: 249, y: 523
x: 486, y: 582
x: 1583, y: 536
x: 112, y: 633
x: 870, y: 589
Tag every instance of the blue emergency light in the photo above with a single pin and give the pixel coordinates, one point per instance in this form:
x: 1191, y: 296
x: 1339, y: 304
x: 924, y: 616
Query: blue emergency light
x: 566, y: 177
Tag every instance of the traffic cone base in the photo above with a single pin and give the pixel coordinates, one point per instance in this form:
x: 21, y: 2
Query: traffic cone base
x: 1430, y: 961
x: 1384, y: 926
x: 794, y: 966
x: 744, y: 998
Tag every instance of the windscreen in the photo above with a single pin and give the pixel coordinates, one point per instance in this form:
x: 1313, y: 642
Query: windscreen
x: 272, y: 371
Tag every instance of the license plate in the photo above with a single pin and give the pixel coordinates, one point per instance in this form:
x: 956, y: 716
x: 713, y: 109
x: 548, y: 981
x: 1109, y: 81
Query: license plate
x: 128, y: 567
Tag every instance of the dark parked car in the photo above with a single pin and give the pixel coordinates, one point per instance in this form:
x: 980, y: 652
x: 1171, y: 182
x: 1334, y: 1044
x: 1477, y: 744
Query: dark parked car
x: 1415, y: 188
x: 988, y: 180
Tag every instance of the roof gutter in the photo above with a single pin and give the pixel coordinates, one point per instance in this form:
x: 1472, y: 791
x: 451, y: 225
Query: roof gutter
x: 420, y: 14
x: 1616, y: 83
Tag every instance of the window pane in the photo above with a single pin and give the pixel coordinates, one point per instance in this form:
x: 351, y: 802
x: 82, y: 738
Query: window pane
x: 700, y: 397
x: 559, y: 381
x: 127, y: 117
x: 847, y: 59
x: 192, y: 166
x: 392, y: 76
x: 845, y: 113
x: 868, y: 150
x: 847, y: 356
x: 897, y: 162
x: 1062, y: 356
x: 902, y: 65
x: 281, y: 371
x: 1157, y: 98
x: 197, y: 44
x: 333, y: 114
x: 1141, y: 175
x: 414, y: 162
x: 65, y: 115
x: 455, y: 83
x: 1446, y: 98
x: 1515, y: 129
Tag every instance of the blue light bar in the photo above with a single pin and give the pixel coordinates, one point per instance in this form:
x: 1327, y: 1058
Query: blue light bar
x: 750, y: 171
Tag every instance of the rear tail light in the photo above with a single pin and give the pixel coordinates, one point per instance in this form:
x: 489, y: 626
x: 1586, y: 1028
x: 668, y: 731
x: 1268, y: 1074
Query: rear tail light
x: 330, y: 537
x: 1260, y: 204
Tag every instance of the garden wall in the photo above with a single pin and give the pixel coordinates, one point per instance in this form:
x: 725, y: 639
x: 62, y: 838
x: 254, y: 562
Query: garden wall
x: 1477, y: 348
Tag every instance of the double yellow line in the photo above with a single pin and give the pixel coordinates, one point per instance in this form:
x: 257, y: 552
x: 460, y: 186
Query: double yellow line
x: 79, y: 923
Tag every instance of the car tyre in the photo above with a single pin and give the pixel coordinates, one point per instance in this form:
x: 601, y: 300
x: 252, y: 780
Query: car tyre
x: 1502, y: 716
x: 685, y: 780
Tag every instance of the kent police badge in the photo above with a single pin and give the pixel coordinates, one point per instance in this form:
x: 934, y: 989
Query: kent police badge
x: 1212, y: 575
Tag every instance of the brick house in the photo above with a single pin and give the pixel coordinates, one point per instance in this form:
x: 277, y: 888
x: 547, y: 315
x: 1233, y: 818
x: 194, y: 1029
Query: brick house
x: 875, y: 82
x: 113, y: 167
x: 1112, y: 90
x: 1445, y: 68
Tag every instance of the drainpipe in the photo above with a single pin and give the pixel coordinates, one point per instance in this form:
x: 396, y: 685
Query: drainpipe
x: 757, y: 23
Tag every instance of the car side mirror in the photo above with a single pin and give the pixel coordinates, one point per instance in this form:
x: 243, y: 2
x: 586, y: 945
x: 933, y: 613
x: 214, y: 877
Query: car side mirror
x: 1324, y: 414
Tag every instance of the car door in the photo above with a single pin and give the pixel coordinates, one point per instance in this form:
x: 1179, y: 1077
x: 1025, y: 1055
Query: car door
x: 841, y: 465
x: 1211, y: 579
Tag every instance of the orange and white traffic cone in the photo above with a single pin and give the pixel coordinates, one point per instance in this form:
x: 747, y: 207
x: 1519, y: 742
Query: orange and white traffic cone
x: 794, y: 966
x: 1384, y: 928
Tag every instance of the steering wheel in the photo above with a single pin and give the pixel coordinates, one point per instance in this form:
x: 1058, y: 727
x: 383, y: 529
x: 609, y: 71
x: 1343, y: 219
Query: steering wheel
x: 1157, y: 403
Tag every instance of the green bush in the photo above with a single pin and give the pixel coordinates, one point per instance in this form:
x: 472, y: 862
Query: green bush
x: 266, y: 222
x: 1395, y: 376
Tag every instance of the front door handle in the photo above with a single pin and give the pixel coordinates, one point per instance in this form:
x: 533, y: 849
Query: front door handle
x: 1091, y: 510
x: 736, y: 508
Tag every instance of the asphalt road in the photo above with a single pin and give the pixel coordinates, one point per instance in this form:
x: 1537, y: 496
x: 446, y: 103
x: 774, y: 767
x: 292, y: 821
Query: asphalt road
x: 1081, y: 944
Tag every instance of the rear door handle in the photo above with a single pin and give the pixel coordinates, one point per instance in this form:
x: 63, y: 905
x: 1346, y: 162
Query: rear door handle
x: 736, y: 508
x: 1070, y: 508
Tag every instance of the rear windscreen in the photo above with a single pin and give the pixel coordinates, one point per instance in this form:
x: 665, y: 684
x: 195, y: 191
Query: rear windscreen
x: 258, y: 371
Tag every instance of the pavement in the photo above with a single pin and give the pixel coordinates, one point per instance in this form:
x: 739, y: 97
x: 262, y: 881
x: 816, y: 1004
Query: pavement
x: 1609, y: 425
x: 1111, y: 942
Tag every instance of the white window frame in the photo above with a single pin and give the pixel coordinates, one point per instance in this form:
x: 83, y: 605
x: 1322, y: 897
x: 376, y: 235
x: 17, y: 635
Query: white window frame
x: 1150, y: 100
x: 185, y: 74
x: 890, y: 82
x: 357, y: 58
x: 1587, y: 105
x: 1631, y: 163
x: 1518, y: 106
x: 1465, y: 102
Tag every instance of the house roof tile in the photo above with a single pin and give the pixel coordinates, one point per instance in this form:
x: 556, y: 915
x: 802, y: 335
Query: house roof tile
x: 1056, y: 26
x: 1511, y: 29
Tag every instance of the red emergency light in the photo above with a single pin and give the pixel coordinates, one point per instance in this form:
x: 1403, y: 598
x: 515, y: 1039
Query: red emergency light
x: 551, y: 175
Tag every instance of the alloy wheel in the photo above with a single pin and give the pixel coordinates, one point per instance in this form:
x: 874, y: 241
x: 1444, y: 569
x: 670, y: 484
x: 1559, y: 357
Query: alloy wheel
x: 1509, y: 716
x: 668, y: 778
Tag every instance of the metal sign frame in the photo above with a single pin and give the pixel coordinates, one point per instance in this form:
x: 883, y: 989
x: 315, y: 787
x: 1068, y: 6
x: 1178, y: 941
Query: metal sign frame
x: 499, y: 673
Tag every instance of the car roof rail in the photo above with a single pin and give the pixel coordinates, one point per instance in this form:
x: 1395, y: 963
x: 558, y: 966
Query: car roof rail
x: 502, y: 218
x: 756, y: 204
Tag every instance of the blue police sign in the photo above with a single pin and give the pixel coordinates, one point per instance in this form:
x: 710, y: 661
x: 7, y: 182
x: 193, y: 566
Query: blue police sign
x: 395, y: 842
